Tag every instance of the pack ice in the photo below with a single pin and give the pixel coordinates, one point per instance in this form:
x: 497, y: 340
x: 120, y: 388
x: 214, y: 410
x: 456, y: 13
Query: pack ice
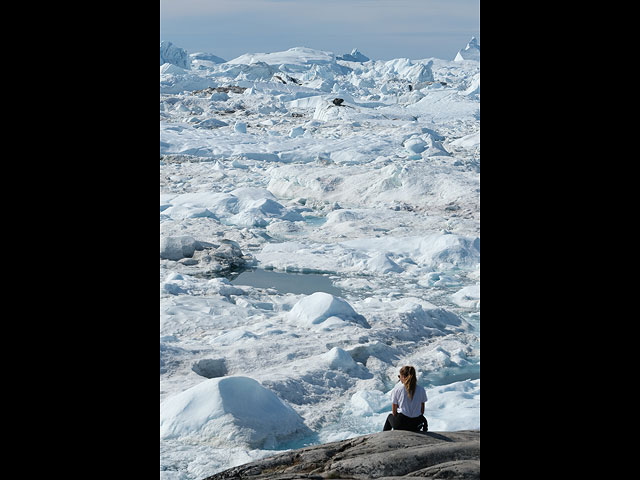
x: 310, y: 164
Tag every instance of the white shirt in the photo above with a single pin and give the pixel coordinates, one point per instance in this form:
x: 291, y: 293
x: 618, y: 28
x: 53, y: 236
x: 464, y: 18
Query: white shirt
x: 409, y: 407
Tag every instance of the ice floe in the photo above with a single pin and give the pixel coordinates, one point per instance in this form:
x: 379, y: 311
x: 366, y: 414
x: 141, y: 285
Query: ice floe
x: 359, y: 171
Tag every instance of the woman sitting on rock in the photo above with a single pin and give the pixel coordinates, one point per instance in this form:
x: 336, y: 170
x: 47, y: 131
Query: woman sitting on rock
x: 407, y: 401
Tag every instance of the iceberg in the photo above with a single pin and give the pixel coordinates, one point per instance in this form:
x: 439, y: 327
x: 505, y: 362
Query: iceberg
x: 173, y: 55
x: 300, y: 56
x: 227, y: 411
x: 320, y: 307
x: 354, y: 56
x: 470, y: 52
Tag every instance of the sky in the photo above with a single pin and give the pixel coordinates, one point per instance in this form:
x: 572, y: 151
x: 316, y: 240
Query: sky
x: 380, y: 29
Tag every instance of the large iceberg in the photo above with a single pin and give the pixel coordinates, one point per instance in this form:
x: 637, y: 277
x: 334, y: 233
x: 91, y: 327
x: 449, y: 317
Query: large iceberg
x: 293, y: 56
x: 230, y: 411
x: 354, y: 56
x: 177, y: 56
x: 470, y: 52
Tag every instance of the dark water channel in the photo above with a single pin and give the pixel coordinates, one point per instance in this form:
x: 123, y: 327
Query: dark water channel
x: 283, y: 282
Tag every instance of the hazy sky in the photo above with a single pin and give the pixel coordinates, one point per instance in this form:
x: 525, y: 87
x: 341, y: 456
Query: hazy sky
x: 380, y: 29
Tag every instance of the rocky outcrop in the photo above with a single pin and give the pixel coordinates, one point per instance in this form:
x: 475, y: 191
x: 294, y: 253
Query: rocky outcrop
x: 384, y: 456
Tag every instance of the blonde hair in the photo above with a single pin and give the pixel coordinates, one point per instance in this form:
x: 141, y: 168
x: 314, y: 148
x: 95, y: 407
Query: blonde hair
x: 409, y: 374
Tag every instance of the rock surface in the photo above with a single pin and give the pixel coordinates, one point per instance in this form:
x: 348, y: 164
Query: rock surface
x: 383, y: 455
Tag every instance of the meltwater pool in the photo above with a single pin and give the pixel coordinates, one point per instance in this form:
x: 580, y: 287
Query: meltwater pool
x: 285, y: 282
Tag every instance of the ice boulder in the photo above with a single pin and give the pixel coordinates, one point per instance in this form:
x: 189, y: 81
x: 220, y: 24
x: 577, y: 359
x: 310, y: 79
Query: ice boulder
x: 470, y: 52
x: 338, y: 359
x: 169, y: 53
x: 389, y: 72
x: 250, y: 196
x: 258, y: 206
x: 449, y: 251
x: 178, y: 247
x: 321, y: 307
x: 296, y: 132
x: 473, y: 90
x: 211, y: 123
x: 381, y: 263
x: 366, y: 403
x: 435, y: 148
x: 313, y: 370
x: 240, y: 127
x: 417, y: 319
x: 227, y: 411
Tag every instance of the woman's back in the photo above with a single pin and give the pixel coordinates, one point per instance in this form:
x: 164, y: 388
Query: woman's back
x: 407, y: 402
x: 411, y: 407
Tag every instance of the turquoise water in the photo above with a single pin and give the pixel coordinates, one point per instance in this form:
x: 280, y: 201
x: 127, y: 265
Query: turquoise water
x: 315, y: 221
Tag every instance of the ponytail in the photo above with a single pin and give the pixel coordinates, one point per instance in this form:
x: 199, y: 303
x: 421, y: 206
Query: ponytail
x: 409, y: 374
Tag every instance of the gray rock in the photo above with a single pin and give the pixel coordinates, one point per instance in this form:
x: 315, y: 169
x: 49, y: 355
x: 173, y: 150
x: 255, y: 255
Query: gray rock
x: 384, y: 455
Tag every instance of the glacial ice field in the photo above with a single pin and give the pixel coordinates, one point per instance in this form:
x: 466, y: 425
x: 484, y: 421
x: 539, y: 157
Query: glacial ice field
x: 319, y: 229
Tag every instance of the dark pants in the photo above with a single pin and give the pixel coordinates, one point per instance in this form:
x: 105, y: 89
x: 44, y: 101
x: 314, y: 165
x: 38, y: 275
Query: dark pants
x: 402, y: 422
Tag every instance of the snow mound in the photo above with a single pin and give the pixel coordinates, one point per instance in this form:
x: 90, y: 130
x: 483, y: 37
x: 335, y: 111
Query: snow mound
x: 338, y: 359
x: 314, y: 368
x: 470, y: 52
x: 468, y: 141
x: 229, y: 411
x: 323, y: 307
x: 467, y: 297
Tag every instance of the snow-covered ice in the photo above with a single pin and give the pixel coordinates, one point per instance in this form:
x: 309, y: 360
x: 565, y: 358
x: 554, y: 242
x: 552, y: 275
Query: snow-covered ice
x: 232, y: 410
x: 379, y: 194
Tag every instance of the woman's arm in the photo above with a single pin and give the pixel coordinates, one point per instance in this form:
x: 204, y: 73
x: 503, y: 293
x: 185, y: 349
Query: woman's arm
x: 394, y: 409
